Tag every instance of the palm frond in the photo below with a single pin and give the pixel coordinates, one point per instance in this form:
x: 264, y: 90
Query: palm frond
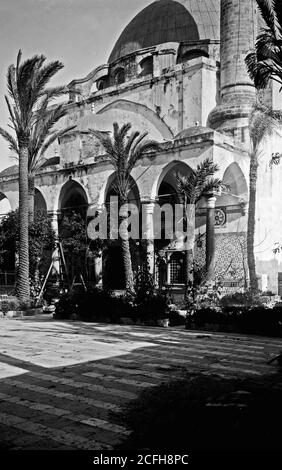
x: 124, y: 153
x: 123, y: 131
x: 12, y: 84
x: 262, y: 122
x: 19, y: 58
x: 44, y: 75
x: 11, y: 111
x: 133, y: 136
x: 55, y: 92
x: 27, y: 91
x: 199, y: 182
x: 264, y: 63
x: 13, y: 146
x: 147, y: 146
x: 186, y: 186
x: 138, y: 141
x: 42, y: 129
x: 267, y: 13
x: 107, y: 144
x: 277, y: 8
x: 55, y: 136
x: 211, y: 186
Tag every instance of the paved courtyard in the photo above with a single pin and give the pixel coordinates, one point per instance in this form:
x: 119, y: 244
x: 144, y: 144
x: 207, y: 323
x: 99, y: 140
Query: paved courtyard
x: 60, y: 380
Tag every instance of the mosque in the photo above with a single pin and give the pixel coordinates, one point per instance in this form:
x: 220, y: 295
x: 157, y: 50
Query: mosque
x: 177, y: 71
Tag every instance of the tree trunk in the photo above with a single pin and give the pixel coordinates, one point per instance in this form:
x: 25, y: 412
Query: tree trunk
x: 31, y: 192
x: 189, y: 274
x: 23, y: 290
x: 189, y: 250
x: 126, y: 255
x: 251, y: 223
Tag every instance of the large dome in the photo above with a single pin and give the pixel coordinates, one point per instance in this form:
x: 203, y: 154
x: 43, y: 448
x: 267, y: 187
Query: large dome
x: 169, y: 21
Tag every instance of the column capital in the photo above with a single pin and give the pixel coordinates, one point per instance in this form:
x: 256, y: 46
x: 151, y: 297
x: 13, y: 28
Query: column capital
x: 53, y: 213
x: 95, y: 209
x: 211, y: 200
x: 149, y: 205
x: 148, y: 201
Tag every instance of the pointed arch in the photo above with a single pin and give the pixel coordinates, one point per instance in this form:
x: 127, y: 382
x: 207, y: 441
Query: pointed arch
x: 234, y: 177
x: 66, y: 188
x: 142, y: 110
x: 5, y: 205
x: 167, y: 175
x: 39, y: 201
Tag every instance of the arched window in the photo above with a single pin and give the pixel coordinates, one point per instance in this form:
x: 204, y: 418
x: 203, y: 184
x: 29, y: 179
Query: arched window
x: 146, y: 66
x: 100, y: 84
x: 119, y: 76
x: 194, y: 54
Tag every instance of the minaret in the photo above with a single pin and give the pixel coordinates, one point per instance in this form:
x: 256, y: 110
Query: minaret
x: 238, y: 31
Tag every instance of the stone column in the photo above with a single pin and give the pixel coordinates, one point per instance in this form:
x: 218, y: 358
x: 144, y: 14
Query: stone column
x: 94, y: 214
x: 53, y: 215
x: 238, y: 30
x: 98, y: 261
x: 148, y: 233
x: 210, y: 238
x: 238, y: 33
x: 55, y: 255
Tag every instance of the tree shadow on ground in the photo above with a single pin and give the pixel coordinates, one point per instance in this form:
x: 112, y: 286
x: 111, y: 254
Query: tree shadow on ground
x: 206, y: 412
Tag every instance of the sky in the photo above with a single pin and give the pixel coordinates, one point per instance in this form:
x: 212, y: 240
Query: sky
x: 80, y: 33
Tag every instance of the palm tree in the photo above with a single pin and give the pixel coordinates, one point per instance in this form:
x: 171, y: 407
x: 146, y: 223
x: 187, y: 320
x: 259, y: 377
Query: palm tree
x: 264, y: 63
x: 262, y: 123
x: 198, y: 184
x: 124, y: 150
x: 43, y: 135
x: 27, y: 88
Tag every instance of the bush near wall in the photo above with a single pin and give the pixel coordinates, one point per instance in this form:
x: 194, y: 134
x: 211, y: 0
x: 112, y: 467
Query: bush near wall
x: 257, y: 320
x: 94, y: 305
x: 98, y: 305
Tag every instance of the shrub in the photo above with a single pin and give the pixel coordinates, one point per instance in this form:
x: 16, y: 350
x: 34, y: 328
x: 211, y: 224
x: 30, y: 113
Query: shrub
x: 247, y: 299
x: 66, y: 306
x: 94, y: 305
x: 256, y: 320
x: 175, y: 319
x: 204, y: 296
x: 144, y: 285
x: 153, y: 308
x: 41, y: 242
x: 261, y: 320
x: 9, y: 304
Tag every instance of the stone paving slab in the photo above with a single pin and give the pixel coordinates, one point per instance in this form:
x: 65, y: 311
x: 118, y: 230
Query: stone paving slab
x: 60, y: 381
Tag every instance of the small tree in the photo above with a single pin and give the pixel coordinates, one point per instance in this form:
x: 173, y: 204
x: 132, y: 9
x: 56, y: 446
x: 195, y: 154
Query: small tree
x: 41, y: 240
x: 264, y: 63
x: 28, y: 92
x: 192, y: 188
x: 124, y: 150
x: 262, y: 123
x: 76, y: 244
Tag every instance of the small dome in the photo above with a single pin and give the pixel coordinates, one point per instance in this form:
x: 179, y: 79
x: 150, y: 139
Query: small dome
x: 169, y: 21
x: 10, y: 171
x: 193, y: 131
